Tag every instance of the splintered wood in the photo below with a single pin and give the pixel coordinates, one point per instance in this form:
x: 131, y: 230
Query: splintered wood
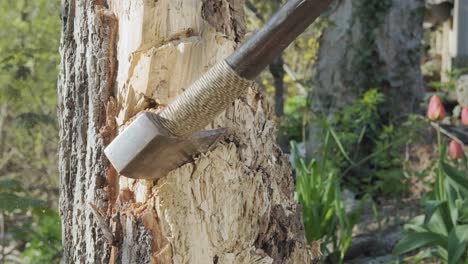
x: 231, y: 205
x: 163, y: 47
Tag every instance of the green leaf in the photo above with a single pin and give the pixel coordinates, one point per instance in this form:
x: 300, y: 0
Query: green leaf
x: 457, y: 243
x: 430, y: 208
x: 418, y: 258
x: 297, y: 162
x: 415, y: 228
x: 340, y: 146
x: 458, y: 177
x: 10, y: 202
x: 417, y: 240
x: 437, y: 225
x: 10, y: 185
x: 462, y: 207
x: 446, y: 217
x: 29, y: 120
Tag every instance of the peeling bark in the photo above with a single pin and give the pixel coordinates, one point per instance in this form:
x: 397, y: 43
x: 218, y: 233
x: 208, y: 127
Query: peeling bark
x: 231, y: 205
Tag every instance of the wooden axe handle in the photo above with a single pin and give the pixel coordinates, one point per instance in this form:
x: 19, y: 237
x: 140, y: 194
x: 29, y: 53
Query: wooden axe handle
x: 273, y: 37
x: 226, y: 81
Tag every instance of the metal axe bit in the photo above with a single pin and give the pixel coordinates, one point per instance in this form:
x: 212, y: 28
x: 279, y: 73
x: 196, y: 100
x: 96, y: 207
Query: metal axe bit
x: 155, y: 144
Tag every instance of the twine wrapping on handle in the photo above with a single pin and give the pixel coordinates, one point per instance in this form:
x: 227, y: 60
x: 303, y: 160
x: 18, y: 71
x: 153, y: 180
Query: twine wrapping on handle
x: 206, y: 98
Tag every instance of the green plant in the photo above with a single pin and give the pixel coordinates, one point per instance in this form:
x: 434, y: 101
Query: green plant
x: 353, y: 125
x: 451, y: 83
x: 443, y: 229
x: 386, y: 158
x: 12, y: 197
x: 29, y: 62
x: 319, y: 192
x: 366, y: 151
x: 292, y: 124
x: 39, y: 225
x: 44, y: 238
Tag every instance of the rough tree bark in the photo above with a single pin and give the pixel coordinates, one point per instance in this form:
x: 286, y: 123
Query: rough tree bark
x: 369, y: 44
x: 231, y: 205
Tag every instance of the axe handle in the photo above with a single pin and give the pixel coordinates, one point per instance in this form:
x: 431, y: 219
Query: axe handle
x: 143, y: 150
x: 273, y: 37
x: 226, y: 81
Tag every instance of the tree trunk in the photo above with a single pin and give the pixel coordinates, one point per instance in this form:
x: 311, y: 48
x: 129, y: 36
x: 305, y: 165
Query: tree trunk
x: 369, y: 44
x: 277, y: 72
x: 231, y: 205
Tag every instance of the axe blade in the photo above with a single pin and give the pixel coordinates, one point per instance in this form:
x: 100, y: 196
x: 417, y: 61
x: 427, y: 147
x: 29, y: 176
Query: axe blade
x: 146, y: 150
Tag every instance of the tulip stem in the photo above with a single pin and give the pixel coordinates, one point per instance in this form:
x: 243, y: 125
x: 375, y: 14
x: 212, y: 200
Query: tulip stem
x: 440, y: 192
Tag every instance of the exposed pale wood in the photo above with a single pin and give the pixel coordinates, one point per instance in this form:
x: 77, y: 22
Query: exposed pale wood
x: 161, y: 32
x: 215, y: 208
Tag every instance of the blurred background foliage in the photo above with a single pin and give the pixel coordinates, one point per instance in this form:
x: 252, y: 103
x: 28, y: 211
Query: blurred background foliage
x: 288, y: 80
x: 29, y: 59
x: 375, y: 165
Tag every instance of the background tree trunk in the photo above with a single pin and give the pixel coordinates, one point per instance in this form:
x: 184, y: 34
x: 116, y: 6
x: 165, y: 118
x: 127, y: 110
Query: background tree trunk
x: 369, y: 44
x: 277, y: 72
x: 231, y: 205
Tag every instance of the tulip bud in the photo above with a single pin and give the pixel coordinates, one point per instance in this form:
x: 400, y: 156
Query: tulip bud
x: 464, y: 116
x: 435, y: 110
x: 455, y: 150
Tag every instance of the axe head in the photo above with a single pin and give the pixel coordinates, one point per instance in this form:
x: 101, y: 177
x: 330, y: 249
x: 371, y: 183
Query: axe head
x: 146, y: 150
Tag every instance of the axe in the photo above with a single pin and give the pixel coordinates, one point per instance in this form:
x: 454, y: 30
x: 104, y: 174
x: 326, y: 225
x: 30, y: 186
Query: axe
x: 155, y: 144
